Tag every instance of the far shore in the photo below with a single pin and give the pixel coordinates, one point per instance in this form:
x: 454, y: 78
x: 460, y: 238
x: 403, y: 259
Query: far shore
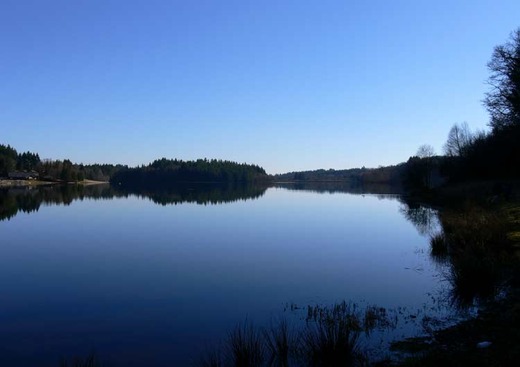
x: 90, y: 182
x: 25, y: 183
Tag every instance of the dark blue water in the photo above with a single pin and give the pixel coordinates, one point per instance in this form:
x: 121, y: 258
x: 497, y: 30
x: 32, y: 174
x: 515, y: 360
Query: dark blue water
x: 147, y: 284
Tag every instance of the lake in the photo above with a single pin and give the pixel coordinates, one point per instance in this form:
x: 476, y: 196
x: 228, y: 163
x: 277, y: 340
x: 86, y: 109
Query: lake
x: 154, y: 278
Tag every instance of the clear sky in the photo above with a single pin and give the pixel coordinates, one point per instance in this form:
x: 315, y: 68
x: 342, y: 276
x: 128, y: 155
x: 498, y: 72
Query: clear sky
x: 289, y: 85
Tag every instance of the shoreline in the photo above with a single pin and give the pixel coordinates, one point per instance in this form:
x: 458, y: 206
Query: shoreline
x: 490, y: 337
x: 24, y: 183
x: 35, y: 183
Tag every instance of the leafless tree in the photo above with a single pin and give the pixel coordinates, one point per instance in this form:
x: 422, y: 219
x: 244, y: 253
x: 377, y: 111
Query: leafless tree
x: 503, y: 101
x: 459, y: 139
x: 425, y: 151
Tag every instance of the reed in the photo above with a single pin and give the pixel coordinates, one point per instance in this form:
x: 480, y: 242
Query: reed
x: 280, y: 344
x: 331, y: 336
x: 246, y: 346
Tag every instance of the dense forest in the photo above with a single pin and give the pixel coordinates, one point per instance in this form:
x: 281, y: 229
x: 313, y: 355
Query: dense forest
x: 160, y: 173
x: 11, y: 160
x: 163, y: 173
x: 355, y: 177
x: 52, y: 170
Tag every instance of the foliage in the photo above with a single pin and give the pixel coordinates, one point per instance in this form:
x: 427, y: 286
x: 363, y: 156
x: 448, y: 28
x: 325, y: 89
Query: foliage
x: 67, y: 171
x: 163, y: 173
x: 422, y: 173
x: 27, y: 161
x: 8, y: 159
x: 53, y: 170
x: 355, y: 177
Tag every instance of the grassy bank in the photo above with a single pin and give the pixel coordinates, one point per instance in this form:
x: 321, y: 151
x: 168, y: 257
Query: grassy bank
x: 480, y: 244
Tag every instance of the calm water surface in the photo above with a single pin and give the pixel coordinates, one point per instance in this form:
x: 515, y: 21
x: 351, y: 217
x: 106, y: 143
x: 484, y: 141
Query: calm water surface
x: 148, y: 284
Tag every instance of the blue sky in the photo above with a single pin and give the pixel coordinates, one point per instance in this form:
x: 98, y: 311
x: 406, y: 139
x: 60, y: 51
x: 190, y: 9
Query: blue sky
x: 289, y: 85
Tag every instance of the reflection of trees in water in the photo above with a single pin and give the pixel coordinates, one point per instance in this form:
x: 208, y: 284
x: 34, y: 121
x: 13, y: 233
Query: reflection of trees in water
x: 29, y: 199
x: 471, y: 247
x: 348, y: 187
x: 424, y: 219
x: 8, y: 206
x: 199, y: 193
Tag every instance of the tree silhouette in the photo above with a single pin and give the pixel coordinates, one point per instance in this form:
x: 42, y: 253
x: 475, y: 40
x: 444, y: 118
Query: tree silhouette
x: 503, y: 101
x: 459, y: 140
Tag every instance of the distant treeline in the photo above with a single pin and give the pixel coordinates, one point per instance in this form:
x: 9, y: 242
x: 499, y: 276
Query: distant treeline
x: 161, y: 173
x: 53, y: 170
x: 494, y: 155
x: 164, y: 173
x: 355, y: 177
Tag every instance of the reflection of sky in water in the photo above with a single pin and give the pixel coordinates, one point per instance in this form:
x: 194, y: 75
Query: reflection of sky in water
x: 148, y: 285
